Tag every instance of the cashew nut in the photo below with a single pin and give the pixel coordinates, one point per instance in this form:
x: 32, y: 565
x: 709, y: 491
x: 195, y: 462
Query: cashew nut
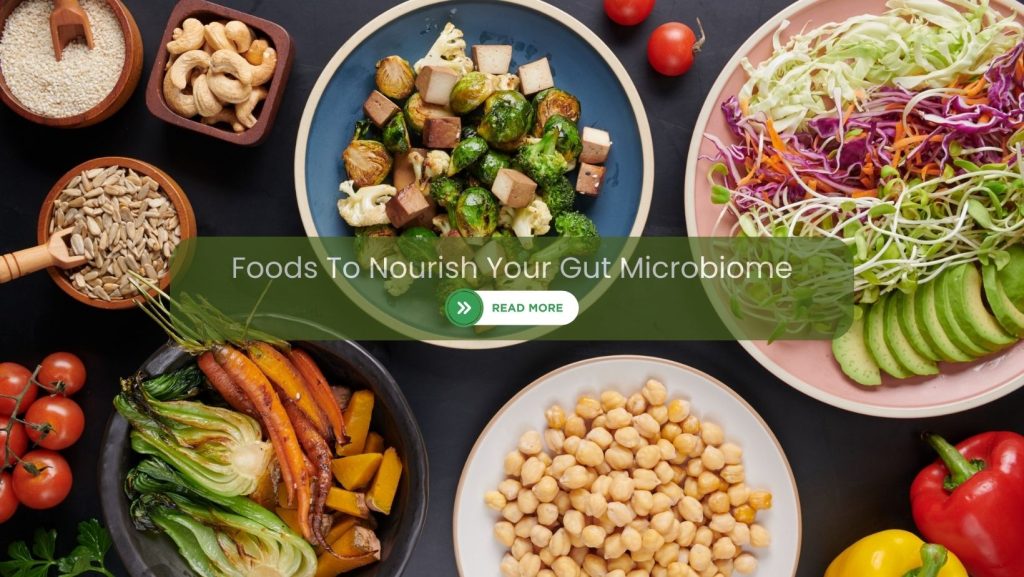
x: 232, y: 64
x: 217, y: 37
x: 239, y: 35
x: 191, y: 37
x: 226, y: 116
x: 207, y: 103
x: 255, y: 53
x: 244, y: 110
x: 176, y: 99
x: 181, y: 71
x: 265, y: 71
x: 227, y: 89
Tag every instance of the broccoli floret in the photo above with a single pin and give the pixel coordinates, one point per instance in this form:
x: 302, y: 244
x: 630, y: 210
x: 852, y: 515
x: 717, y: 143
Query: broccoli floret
x: 542, y: 161
x: 575, y: 224
x: 579, y: 238
x: 560, y: 196
x: 445, y: 190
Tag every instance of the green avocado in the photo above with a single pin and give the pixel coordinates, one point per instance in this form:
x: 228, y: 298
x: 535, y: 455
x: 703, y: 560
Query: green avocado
x: 851, y: 352
x: 968, y: 304
x: 1008, y: 315
x: 926, y: 313
x: 898, y: 343
x: 875, y: 338
x: 948, y: 318
x: 1012, y: 276
x: 904, y: 306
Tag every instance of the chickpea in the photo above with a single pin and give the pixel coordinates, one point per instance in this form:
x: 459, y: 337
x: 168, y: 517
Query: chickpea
x: 691, y: 425
x: 547, y: 514
x: 509, y: 566
x: 654, y: 392
x: 559, y: 544
x: 673, y: 491
x: 524, y: 527
x: 733, y: 474
x: 619, y: 457
x: 532, y: 472
x: 678, y: 569
x: 659, y: 571
x: 712, y: 434
x: 589, y: 454
x: 740, y: 535
x: 628, y: 437
x: 744, y: 514
x: 588, y: 408
x: 597, y: 505
x: 570, y: 445
x: 712, y: 458
x: 620, y: 514
x: 664, y: 473
x: 642, y: 502
x: 546, y: 489
x: 611, y: 400
x: 687, y: 532
x: 565, y: 567
x: 662, y: 522
x: 636, y: 404
x: 759, y: 536
x: 559, y: 464
x: 520, y: 548
x: 595, y: 566
x: 659, y: 413
x: 574, y: 477
x: 668, y: 554
x: 593, y: 536
x: 575, y: 427
x: 690, y: 488
x: 511, y: 513
x: 660, y: 503
x: 616, y: 573
x: 618, y: 418
x: 652, y: 541
x: 530, y: 443
x: 614, y: 547
x: 601, y: 436
x: 495, y: 500
x: 621, y: 489
x: 544, y: 458
x: 667, y: 449
x: 623, y: 562
x: 707, y: 482
x: 738, y: 495
x: 562, y: 502
x: 554, y: 439
x: 724, y: 548
x: 578, y: 554
x: 670, y: 430
x: 546, y: 572
x: 540, y: 536
x: 704, y: 536
x: 514, y: 463
x: 599, y: 422
x: 690, y: 509
x: 573, y: 522
x: 505, y: 533
x: 718, y: 503
x: 607, y: 524
x: 529, y: 565
x: 509, y: 488
x: 745, y: 564
x: 645, y: 479
x: 632, y: 539
x: 700, y: 557
x: 761, y: 500
x: 725, y: 568
x: 678, y: 410
x: 638, y: 573
x: 527, y: 502
x: 648, y: 457
x: 732, y: 452
x: 601, y: 485
x: 578, y: 498
x: 555, y: 417
x: 646, y: 425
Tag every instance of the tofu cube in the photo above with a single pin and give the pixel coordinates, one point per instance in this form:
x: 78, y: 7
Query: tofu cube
x: 435, y: 83
x: 410, y: 205
x: 596, y: 144
x: 535, y: 76
x: 590, y: 179
x: 379, y: 108
x: 442, y: 132
x: 492, y: 58
x: 514, y: 188
x: 404, y: 174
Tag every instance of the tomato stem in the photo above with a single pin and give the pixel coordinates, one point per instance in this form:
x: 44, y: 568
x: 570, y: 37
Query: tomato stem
x: 7, y: 452
x: 700, y: 41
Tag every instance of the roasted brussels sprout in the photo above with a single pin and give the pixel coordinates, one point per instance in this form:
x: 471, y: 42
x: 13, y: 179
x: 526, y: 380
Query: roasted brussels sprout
x: 466, y: 153
x: 418, y: 244
x: 541, y: 161
x: 487, y: 167
x: 568, y: 142
x: 395, y: 78
x: 550, y: 102
x: 374, y: 243
x: 476, y: 214
x: 366, y: 130
x: 469, y: 131
x: 445, y: 191
x: 559, y: 195
x: 417, y: 112
x: 507, y: 117
x: 470, y: 91
x: 367, y: 162
x: 396, y: 135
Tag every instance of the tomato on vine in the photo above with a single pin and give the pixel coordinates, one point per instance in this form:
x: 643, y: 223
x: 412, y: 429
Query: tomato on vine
x: 12, y: 436
x: 62, y: 373
x: 42, y: 480
x: 15, y: 381
x: 54, y: 422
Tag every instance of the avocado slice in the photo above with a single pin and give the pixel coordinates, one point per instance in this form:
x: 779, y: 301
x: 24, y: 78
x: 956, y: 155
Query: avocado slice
x: 1012, y: 276
x: 1006, y: 313
x: 903, y: 304
x: 950, y: 324
x: 875, y: 338
x: 898, y: 343
x: 965, y: 294
x: 851, y: 352
x: 926, y: 314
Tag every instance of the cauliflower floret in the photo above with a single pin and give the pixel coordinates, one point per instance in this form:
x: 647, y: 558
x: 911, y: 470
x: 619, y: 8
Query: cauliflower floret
x: 366, y: 207
x: 504, y: 81
x: 442, y: 223
x: 448, y: 51
x: 435, y: 163
x: 533, y: 219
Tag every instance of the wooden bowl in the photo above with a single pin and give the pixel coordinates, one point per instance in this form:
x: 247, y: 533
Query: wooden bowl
x: 186, y: 218
x: 118, y: 97
x: 206, y: 12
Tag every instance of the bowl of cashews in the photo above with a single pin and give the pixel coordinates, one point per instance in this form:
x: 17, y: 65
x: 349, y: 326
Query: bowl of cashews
x: 220, y: 72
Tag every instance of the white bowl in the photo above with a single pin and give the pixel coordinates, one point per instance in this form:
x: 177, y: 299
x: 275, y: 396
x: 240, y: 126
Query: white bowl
x: 479, y: 555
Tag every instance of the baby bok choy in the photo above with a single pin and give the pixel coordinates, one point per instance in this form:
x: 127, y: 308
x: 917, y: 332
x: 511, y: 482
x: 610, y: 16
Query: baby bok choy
x: 212, y: 447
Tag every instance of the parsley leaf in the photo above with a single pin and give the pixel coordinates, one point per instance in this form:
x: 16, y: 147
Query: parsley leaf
x: 87, y: 557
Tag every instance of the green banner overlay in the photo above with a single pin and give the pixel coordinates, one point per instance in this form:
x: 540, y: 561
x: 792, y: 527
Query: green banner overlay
x: 652, y: 288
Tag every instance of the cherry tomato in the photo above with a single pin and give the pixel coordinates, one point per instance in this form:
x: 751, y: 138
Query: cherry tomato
x: 62, y: 373
x: 672, y: 46
x: 628, y: 12
x: 14, y: 378
x: 18, y: 443
x: 54, y: 422
x: 8, y: 500
x: 48, y: 482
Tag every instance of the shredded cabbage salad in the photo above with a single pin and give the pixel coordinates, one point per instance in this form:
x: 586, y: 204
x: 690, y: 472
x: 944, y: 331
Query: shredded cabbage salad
x: 899, y: 134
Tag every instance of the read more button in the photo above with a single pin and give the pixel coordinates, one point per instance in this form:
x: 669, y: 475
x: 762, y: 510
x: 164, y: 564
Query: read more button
x: 466, y: 307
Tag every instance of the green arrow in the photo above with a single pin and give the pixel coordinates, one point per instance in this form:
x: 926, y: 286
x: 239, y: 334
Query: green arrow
x: 464, y: 308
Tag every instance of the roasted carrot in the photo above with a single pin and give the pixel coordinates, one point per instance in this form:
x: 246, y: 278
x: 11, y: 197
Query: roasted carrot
x: 261, y: 394
x: 318, y: 451
x: 287, y: 378
x: 321, y: 391
x: 227, y: 388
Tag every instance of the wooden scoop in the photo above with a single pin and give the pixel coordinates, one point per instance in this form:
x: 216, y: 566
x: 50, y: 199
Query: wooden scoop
x: 53, y: 253
x: 67, y: 22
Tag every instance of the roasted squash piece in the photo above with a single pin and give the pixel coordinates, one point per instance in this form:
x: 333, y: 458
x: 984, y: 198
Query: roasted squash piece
x: 348, y: 502
x: 374, y: 443
x: 382, y: 494
x: 357, y: 423
x: 357, y: 471
x: 357, y: 548
x: 291, y: 518
x: 341, y: 526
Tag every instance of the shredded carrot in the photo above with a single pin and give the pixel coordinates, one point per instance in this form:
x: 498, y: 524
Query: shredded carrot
x: 774, y: 135
x: 745, y: 107
x: 865, y: 193
x: 911, y: 140
x: 1018, y: 72
x: 975, y: 88
x: 972, y: 101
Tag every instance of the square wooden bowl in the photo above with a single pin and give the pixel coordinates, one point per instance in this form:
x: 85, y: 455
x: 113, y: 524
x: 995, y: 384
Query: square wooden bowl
x: 206, y: 12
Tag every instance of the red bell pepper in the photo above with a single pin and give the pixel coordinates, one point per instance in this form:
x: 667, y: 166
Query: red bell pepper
x: 972, y: 501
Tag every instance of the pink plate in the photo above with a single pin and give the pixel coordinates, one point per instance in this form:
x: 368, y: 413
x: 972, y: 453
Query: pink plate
x: 809, y: 366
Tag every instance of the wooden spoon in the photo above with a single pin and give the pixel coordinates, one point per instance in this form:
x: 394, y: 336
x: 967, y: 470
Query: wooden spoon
x: 54, y: 253
x: 67, y: 22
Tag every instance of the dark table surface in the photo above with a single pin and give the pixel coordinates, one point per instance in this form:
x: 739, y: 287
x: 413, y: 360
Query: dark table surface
x: 854, y: 472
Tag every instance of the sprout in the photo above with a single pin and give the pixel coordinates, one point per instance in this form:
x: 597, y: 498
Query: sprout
x: 568, y: 142
x: 476, y: 213
x: 396, y: 135
x: 466, y: 153
x: 445, y: 191
x: 507, y: 117
x: 417, y: 244
x: 487, y: 167
x: 548, y: 103
x: 541, y: 161
x: 367, y: 162
x: 395, y: 77
x: 417, y: 112
x: 470, y: 92
x: 559, y: 195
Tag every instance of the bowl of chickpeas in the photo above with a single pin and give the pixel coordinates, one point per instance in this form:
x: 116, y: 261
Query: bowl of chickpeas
x: 627, y: 466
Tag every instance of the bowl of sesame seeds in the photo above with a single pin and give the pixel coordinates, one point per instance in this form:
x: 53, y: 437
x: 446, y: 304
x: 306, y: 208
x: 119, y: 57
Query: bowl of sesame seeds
x: 87, y: 85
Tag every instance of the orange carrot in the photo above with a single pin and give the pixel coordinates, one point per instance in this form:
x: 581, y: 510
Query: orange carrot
x: 289, y: 381
x: 319, y: 454
x: 227, y: 388
x: 864, y: 193
x: 774, y: 136
x: 321, y: 391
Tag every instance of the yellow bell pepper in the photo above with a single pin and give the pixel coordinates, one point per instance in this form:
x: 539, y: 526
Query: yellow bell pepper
x: 895, y: 553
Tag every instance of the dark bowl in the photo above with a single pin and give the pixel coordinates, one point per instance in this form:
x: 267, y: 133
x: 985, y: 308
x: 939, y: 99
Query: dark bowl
x: 344, y: 362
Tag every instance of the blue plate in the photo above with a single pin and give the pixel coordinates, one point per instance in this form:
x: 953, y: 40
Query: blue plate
x: 581, y: 64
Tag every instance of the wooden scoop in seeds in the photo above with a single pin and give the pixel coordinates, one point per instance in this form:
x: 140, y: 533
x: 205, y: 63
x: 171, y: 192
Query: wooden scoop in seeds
x: 54, y: 253
x: 67, y: 22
